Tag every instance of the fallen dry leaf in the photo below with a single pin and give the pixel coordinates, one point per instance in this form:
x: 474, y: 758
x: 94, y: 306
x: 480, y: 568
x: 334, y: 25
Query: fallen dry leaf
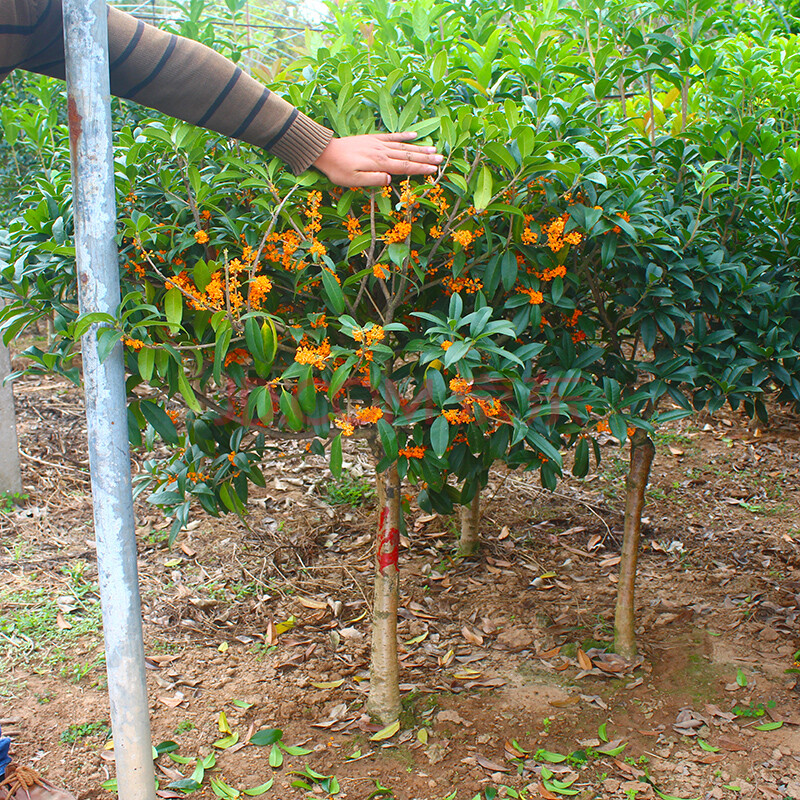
x: 584, y: 660
x: 492, y: 766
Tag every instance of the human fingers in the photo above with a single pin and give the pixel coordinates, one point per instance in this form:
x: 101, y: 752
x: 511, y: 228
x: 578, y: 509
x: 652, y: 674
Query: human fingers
x: 366, y: 179
x: 402, y: 136
x: 414, y: 153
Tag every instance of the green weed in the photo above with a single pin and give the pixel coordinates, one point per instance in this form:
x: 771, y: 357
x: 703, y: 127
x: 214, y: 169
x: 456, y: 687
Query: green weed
x: 348, y: 490
x: 87, y: 729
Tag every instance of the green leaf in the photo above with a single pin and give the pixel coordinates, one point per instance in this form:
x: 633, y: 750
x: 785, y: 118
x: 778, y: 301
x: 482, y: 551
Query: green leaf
x: 291, y: 409
x: 440, y: 435
x: 266, y: 736
x: 294, y: 750
x: 333, y: 295
x: 388, y: 439
x: 185, y: 785
x: 483, y: 192
x: 336, y: 457
x: 275, y: 757
x: 768, y: 726
x: 222, y: 790
x: 185, y: 388
x: 546, y: 755
x: 173, y: 309
x: 709, y: 748
x: 242, y: 704
x: 257, y: 790
x: 741, y: 678
x: 160, y: 421
x: 146, y: 361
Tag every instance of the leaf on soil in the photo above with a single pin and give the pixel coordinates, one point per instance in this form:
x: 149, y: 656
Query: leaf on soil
x: 185, y: 785
x: 504, y: 533
x: 327, y: 684
x: 546, y: 793
x: 601, y: 732
x: 172, y: 702
x: 222, y: 790
x: 583, y: 660
x: 422, y: 735
x: 613, y: 748
x: 709, y: 748
x: 266, y: 736
x: 418, y: 639
x: 223, y: 648
x: 226, y: 742
x: 768, y: 726
x: 665, y: 796
x: 471, y: 636
x: 546, y: 755
x: 490, y: 765
x: 257, y: 790
x: 309, y: 602
x: 62, y: 623
x: 387, y: 732
x: 286, y: 625
x: 741, y: 678
x: 294, y: 750
x: 595, y: 700
x: 222, y: 723
x: 242, y: 704
x: 275, y: 757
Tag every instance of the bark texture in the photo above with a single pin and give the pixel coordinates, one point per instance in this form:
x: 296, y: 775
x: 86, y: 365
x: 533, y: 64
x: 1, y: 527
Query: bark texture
x: 383, y: 703
x: 470, y: 540
x: 10, y: 475
x: 642, y: 453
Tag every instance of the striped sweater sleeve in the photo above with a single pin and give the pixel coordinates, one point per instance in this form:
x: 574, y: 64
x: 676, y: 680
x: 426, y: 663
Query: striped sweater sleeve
x: 177, y: 76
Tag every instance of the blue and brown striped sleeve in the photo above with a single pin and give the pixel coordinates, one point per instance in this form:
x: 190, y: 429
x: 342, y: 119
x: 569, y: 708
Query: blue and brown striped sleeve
x: 177, y: 76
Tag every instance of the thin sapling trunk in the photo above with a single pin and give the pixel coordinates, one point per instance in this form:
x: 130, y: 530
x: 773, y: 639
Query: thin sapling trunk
x: 470, y: 540
x: 642, y: 453
x: 383, y: 703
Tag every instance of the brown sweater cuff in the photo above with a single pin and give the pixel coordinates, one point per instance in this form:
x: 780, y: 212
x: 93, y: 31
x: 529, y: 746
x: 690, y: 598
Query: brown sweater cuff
x: 302, y: 143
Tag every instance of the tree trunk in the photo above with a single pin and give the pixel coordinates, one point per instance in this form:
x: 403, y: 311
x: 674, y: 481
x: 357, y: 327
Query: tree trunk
x: 642, y: 453
x: 10, y: 475
x: 470, y: 539
x: 383, y: 703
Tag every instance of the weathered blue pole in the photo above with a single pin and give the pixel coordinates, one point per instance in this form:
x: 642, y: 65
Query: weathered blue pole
x: 89, y: 111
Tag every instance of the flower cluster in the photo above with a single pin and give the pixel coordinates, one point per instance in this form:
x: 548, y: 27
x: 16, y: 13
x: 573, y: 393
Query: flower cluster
x: 317, y: 356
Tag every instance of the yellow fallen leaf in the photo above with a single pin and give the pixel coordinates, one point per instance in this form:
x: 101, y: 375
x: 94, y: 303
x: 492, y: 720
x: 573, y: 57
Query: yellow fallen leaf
x: 422, y: 735
x: 223, y: 723
x: 386, y: 733
x: 286, y: 625
x: 223, y: 648
x: 226, y: 742
x: 328, y: 684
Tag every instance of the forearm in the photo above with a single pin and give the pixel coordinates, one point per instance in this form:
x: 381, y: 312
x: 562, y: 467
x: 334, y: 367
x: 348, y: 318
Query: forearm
x: 174, y: 75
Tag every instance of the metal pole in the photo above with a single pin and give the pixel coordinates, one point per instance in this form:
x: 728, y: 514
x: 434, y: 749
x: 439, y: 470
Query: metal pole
x: 89, y: 111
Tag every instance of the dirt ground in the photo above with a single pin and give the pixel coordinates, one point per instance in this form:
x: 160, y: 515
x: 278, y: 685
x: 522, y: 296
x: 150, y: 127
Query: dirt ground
x: 508, y: 686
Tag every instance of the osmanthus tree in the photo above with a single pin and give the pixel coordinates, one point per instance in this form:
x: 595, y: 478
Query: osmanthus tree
x: 690, y: 291
x: 273, y: 309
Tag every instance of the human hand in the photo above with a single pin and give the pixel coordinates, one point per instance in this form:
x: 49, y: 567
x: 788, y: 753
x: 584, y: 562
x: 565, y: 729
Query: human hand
x: 372, y: 159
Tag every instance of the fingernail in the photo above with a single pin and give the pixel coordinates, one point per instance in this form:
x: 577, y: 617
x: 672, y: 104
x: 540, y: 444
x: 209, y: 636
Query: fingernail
x: 438, y: 159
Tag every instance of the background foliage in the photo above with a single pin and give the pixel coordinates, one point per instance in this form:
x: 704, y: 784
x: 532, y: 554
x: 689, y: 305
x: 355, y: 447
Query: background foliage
x: 611, y: 243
